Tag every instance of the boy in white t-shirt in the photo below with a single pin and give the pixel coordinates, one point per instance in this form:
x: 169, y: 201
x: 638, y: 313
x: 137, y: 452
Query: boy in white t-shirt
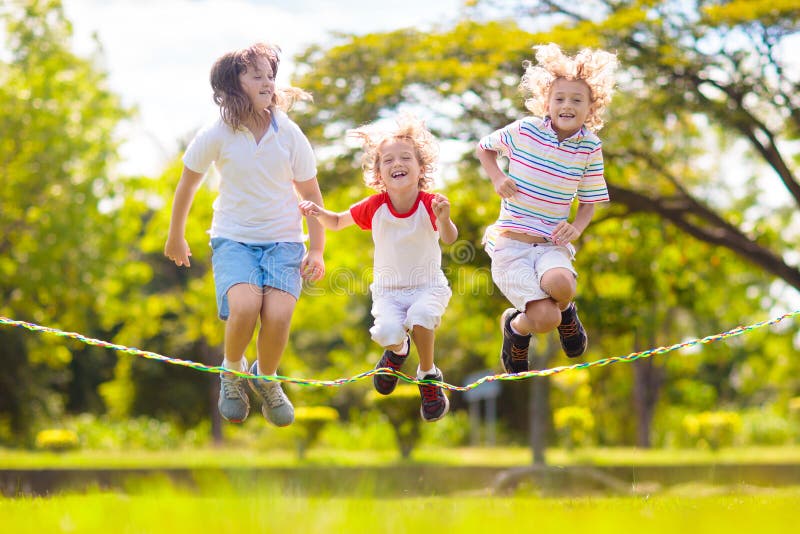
x: 409, y: 290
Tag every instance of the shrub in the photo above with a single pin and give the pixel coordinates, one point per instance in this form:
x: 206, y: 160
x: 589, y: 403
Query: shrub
x: 308, y: 423
x: 712, y: 430
x: 56, y: 439
x: 402, y: 410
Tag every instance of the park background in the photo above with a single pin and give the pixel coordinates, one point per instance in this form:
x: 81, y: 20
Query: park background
x: 701, y: 148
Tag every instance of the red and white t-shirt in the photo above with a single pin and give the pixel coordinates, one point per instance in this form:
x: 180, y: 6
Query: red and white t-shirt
x: 407, y: 252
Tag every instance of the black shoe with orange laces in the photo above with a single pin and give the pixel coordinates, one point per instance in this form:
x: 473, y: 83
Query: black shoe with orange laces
x: 514, y: 355
x: 573, y: 336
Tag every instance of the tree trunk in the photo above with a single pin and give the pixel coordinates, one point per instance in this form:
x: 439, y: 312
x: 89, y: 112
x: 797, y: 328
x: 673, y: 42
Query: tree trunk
x: 647, y: 381
x: 539, y: 407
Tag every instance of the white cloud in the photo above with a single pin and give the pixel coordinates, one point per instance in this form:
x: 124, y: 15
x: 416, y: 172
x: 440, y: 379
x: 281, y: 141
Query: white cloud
x: 158, y: 54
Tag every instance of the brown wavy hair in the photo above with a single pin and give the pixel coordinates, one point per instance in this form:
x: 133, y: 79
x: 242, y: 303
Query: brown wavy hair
x: 234, y: 106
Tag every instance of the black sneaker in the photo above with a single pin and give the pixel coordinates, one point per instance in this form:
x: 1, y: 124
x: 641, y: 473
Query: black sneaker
x: 514, y: 355
x: 573, y: 336
x: 385, y: 384
x: 434, y: 402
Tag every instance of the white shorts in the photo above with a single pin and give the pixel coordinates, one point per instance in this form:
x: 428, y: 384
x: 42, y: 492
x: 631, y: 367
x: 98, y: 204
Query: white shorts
x: 397, y: 311
x: 517, y: 268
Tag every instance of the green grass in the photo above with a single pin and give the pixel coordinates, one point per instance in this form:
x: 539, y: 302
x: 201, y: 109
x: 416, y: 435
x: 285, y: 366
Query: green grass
x: 169, y: 511
x: 492, y: 457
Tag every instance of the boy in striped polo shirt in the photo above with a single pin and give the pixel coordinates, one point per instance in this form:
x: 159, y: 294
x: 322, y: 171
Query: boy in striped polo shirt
x: 554, y: 157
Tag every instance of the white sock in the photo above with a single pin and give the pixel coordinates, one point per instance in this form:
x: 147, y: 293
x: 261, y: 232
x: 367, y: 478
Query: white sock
x: 422, y: 374
x: 404, y: 350
x: 514, y: 330
x: 241, y: 365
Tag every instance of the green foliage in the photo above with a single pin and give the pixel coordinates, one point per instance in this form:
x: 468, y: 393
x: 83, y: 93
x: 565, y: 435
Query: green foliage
x: 402, y: 410
x: 574, y: 426
x: 309, y: 421
x: 712, y: 430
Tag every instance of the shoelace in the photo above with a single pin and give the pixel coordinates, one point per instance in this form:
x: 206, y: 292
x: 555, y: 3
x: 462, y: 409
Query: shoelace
x: 275, y: 396
x: 430, y: 393
x: 569, y: 329
x: 519, y: 353
x: 232, y: 387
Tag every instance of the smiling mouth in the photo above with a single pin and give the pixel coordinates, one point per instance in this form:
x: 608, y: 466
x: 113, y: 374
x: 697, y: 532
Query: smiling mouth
x: 399, y: 174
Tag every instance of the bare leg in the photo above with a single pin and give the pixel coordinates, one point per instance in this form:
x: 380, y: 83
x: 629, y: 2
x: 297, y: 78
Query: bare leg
x: 423, y: 340
x: 542, y: 316
x: 244, y: 303
x: 277, y: 308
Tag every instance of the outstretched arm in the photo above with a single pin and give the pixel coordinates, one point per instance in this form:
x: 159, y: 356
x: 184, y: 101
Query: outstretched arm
x: 313, y: 265
x: 329, y: 219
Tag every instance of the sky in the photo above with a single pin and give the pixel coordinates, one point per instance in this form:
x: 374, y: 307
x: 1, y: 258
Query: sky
x: 158, y: 53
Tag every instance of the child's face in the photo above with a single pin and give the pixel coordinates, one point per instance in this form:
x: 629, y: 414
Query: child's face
x: 258, y: 83
x: 568, y: 106
x: 398, y: 165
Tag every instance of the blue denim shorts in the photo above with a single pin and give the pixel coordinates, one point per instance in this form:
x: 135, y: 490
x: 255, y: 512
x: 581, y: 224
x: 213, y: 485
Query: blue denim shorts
x: 275, y: 265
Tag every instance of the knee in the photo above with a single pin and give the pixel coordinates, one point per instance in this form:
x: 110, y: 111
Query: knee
x: 245, y: 309
x: 560, y: 284
x: 544, y: 317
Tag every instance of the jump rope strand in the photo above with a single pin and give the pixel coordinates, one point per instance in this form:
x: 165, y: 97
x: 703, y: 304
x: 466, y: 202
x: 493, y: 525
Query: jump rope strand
x: 738, y: 331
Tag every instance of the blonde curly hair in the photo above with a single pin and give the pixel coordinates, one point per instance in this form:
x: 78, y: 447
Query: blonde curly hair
x: 595, y: 67
x: 409, y: 129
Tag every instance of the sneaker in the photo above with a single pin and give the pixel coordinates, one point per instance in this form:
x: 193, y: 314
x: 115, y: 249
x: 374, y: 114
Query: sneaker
x: 275, y: 405
x: 434, y: 402
x: 573, y: 336
x: 234, y: 405
x: 514, y: 355
x: 385, y: 384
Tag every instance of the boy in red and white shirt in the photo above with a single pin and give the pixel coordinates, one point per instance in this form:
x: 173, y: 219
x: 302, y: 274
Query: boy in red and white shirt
x: 409, y: 290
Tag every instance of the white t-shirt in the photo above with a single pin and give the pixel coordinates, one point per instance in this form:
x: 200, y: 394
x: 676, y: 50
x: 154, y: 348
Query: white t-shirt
x: 407, y: 252
x: 257, y: 202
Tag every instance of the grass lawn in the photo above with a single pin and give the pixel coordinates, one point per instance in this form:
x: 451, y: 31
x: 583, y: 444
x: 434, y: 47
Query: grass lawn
x: 492, y: 457
x: 169, y: 511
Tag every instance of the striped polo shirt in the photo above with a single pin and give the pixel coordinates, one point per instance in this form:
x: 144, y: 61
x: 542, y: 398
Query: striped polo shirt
x: 548, y: 175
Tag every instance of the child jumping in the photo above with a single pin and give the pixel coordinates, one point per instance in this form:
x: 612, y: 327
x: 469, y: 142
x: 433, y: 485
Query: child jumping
x: 553, y: 156
x: 258, y: 252
x: 409, y: 290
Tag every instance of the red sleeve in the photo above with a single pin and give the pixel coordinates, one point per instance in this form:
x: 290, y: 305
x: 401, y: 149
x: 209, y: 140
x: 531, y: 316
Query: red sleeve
x: 364, y: 211
x: 427, y: 200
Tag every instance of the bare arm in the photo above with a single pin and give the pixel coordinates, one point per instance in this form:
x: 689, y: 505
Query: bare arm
x: 568, y: 232
x: 503, y: 185
x: 329, y: 219
x: 448, y: 232
x: 177, y: 248
x: 313, y: 265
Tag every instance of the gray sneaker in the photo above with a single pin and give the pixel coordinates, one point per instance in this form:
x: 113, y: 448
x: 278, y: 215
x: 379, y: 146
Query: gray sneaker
x: 275, y: 406
x: 234, y: 405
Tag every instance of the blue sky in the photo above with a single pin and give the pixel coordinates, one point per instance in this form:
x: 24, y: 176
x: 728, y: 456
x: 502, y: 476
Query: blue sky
x: 158, y: 53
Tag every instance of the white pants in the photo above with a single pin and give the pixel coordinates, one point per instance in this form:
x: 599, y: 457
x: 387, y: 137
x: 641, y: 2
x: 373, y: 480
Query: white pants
x: 397, y: 311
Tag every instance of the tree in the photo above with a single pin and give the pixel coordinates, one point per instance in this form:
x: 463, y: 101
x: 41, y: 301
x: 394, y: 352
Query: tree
x: 58, y: 117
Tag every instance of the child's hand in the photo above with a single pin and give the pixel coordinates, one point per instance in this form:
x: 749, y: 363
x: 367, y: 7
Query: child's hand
x: 505, y: 187
x: 309, y: 209
x: 565, y: 233
x: 441, y: 207
x: 312, y: 268
x: 178, y: 251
